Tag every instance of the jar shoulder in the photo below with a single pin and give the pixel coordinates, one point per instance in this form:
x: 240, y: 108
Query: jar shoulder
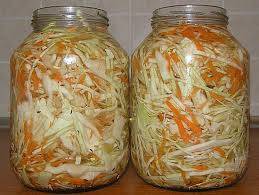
x: 60, y: 35
x: 93, y: 44
x: 192, y: 39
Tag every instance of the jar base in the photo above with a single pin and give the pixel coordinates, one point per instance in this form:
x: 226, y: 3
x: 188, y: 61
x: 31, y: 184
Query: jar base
x: 75, y: 190
x: 78, y: 189
x: 186, y: 189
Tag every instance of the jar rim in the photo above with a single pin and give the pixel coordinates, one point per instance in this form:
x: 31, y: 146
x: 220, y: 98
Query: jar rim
x: 191, y: 13
x: 68, y: 16
x: 191, y: 8
x: 69, y: 7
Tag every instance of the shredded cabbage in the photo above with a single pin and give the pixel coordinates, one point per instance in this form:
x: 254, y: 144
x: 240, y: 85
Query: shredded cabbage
x: 189, y: 103
x: 69, y: 108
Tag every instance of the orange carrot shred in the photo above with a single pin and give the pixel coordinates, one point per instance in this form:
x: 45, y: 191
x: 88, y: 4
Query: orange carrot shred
x: 56, y: 75
x: 220, y: 151
x: 175, y: 57
x: 178, y: 92
x: 196, y: 129
x: 60, y: 162
x: 124, y: 79
x: 81, y: 78
x: 60, y: 48
x: 183, y: 133
x: 31, y: 145
x: 36, y: 81
x: 201, y: 167
x: 168, y: 59
x: 73, y: 180
x: 39, y: 43
x: 198, y: 45
x: 161, y: 117
x: 172, y: 108
x: 216, y: 96
x: 21, y: 79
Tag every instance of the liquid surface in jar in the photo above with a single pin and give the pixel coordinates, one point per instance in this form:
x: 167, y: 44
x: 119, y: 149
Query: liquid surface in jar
x: 190, y: 107
x: 69, y: 94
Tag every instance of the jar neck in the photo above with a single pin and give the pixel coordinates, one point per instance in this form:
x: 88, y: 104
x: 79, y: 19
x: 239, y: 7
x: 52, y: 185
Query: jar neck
x: 189, y: 14
x: 67, y: 17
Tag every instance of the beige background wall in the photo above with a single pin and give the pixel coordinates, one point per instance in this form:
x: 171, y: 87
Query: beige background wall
x: 130, y: 23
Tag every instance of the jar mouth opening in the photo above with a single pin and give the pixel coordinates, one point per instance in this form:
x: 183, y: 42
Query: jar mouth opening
x: 191, y: 13
x: 189, y: 8
x: 68, y: 16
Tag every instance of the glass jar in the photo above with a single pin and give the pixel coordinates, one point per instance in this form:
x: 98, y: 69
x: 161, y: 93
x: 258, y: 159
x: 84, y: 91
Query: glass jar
x: 69, y: 102
x: 190, y: 101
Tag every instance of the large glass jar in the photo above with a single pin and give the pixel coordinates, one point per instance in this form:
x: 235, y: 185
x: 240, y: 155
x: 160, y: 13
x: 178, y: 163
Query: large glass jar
x: 190, y: 102
x: 69, y: 102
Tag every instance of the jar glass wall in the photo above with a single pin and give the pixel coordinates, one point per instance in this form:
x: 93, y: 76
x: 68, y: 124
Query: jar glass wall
x: 190, y: 101
x: 69, y: 102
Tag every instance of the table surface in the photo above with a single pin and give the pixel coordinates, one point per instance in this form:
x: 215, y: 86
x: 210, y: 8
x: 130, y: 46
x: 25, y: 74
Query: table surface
x: 130, y: 183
